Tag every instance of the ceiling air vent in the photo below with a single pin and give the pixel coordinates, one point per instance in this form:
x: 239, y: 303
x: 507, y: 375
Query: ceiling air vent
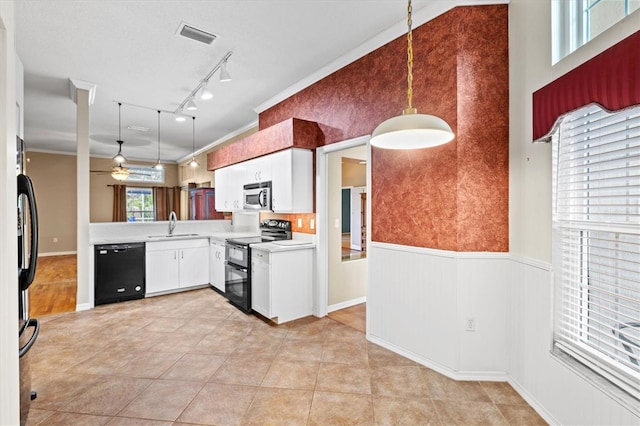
x: 189, y: 31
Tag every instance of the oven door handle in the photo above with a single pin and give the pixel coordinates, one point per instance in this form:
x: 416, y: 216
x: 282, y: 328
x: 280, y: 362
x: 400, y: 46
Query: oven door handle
x: 32, y: 323
x: 236, y: 267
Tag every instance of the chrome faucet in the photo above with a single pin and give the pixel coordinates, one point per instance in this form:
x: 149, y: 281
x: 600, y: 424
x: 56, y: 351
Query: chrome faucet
x: 172, y: 222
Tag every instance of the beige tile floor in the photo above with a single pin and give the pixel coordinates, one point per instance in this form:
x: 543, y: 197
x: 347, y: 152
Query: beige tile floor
x: 191, y: 358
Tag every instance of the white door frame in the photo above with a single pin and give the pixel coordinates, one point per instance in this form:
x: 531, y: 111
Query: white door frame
x: 321, y: 299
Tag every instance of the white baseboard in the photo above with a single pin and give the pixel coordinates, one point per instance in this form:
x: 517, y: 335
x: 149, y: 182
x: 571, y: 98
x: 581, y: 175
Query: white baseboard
x: 540, y: 409
x: 57, y: 253
x: 83, y: 307
x: 347, y: 304
x: 486, y: 376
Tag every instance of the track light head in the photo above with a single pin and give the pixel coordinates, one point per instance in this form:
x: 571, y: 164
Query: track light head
x: 224, y: 74
x: 191, y: 105
x: 205, y: 93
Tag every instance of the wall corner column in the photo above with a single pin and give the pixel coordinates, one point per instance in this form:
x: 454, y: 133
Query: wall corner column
x: 83, y: 94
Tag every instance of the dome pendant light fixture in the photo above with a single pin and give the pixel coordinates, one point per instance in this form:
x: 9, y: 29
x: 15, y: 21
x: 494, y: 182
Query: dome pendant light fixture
x: 411, y: 130
x: 158, y: 165
x: 193, y: 163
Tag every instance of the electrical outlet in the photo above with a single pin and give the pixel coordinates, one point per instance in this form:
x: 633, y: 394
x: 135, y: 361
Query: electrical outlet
x: 299, y: 222
x: 312, y: 224
x: 55, y: 239
x: 470, y: 324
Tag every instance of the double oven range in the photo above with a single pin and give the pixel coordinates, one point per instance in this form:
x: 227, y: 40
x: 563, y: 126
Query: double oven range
x: 238, y: 261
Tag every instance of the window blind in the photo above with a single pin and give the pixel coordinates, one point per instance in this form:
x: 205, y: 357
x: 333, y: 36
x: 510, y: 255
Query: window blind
x: 596, y: 242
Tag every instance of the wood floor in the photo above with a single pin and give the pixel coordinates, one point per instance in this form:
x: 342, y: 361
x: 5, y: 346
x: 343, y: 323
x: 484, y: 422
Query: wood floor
x: 54, y: 287
x: 354, y: 316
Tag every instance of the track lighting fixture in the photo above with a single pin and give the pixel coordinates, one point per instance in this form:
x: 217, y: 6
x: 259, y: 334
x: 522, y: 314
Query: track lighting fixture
x: 205, y: 93
x: 193, y: 163
x: 191, y: 105
x: 201, y: 90
x: 158, y: 165
x: 180, y: 116
x: 224, y: 74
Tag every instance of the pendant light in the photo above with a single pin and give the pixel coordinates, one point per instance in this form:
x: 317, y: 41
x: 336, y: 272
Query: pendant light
x: 119, y: 158
x: 411, y: 130
x: 119, y: 172
x: 158, y: 165
x: 193, y: 163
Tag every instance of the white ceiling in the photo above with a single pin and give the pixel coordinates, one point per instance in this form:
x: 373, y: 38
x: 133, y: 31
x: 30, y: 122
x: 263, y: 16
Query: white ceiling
x: 130, y: 51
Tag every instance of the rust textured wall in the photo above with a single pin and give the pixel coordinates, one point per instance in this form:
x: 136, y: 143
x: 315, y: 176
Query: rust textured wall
x: 286, y: 134
x: 483, y: 129
x: 453, y: 197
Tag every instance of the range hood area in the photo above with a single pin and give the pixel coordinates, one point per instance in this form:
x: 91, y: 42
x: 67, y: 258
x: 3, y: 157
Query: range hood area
x: 289, y: 133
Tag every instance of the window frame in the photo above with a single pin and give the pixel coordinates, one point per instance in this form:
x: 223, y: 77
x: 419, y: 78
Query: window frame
x: 130, y: 213
x: 570, y: 25
x: 137, y: 174
x: 580, y: 352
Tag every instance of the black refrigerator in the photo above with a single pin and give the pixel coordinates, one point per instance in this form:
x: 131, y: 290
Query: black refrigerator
x: 28, y: 328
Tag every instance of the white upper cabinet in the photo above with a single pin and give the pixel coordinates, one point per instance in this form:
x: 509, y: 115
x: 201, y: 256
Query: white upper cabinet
x: 292, y: 181
x: 258, y: 170
x: 290, y: 173
x: 229, y: 182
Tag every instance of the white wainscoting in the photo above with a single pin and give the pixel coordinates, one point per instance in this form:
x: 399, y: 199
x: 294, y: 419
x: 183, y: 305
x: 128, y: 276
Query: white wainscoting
x: 417, y: 305
x: 559, y: 394
x: 419, y: 299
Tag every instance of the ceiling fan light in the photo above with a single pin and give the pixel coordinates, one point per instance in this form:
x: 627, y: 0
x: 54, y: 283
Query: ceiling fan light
x: 120, y: 173
x: 193, y: 163
x: 412, y: 131
x: 224, y: 74
x: 180, y: 117
x: 158, y: 166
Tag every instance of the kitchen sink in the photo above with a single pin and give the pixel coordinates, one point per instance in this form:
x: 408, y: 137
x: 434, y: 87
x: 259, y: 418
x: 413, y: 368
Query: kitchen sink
x: 173, y: 235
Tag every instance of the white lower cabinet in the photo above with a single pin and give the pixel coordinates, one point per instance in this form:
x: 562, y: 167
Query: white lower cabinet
x: 175, y: 265
x: 216, y: 264
x: 261, y: 283
x: 282, y: 283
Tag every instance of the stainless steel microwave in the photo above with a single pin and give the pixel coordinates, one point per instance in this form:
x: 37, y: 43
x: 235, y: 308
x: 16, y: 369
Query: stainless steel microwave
x: 257, y: 196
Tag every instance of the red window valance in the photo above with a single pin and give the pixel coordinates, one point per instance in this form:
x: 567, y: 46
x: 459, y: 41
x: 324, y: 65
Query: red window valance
x: 610, y: 79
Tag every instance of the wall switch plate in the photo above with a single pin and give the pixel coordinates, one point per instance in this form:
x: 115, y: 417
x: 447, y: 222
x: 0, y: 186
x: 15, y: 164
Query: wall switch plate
x: 299, y: 222
x: 336, y: 223
x: 55, y: 239
x: 470, y: 324
x: 312, y: 224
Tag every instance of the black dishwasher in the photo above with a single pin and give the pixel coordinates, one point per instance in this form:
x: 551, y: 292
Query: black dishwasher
x: 119, y: 272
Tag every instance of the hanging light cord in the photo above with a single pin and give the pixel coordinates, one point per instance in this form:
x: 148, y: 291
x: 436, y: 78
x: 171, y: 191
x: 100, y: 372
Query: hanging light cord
x: 193, y: 144
x: 410, y: 109
x: 119, y: 126
x: 158, y: 136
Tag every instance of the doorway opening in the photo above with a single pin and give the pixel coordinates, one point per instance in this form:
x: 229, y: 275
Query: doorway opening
x: 342, y: 208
